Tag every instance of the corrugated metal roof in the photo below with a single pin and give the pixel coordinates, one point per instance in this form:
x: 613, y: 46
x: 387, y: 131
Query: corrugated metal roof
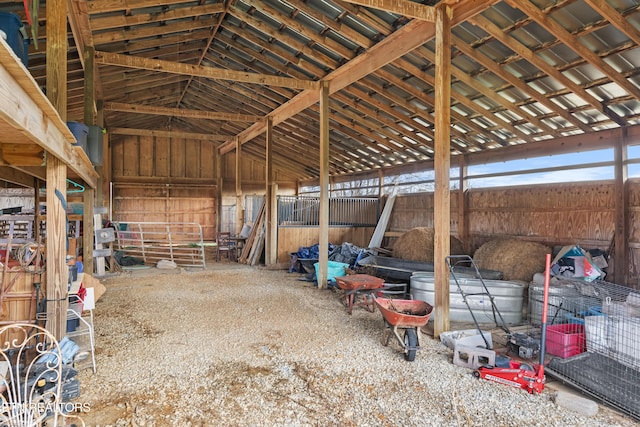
x: 522, y: 71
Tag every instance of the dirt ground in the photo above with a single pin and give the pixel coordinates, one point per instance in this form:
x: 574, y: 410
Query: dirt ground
x: 239, y: 346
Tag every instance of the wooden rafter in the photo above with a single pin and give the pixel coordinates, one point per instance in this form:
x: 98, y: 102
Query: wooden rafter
x: 138, y: 62
x: 616, y: 18
x: 167, y: 134
x: 111, y: 21
x: 495, y: 68
x: 575, y: 44
x: 400, y: 7
x: 404, y: 40
x: 179, y: 112
x: 545, y: 67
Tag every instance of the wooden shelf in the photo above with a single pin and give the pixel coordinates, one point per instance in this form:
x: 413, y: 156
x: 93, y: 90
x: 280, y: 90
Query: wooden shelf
x: 28, y: 119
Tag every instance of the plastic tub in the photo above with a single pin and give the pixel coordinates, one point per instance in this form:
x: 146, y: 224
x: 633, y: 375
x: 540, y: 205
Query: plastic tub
x: 333, y: 269
x: 11, y: 26
x: 80, y: 132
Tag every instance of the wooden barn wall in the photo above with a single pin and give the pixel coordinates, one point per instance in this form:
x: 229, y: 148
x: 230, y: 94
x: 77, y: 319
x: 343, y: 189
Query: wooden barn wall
x: 162, y: 159
x: 252, y: 176
x: 166, y: 203
x: 581, y: 213
x: 290, y: 239
x: 554, y: 214
x: 18, y: 302
x: 633, y: 231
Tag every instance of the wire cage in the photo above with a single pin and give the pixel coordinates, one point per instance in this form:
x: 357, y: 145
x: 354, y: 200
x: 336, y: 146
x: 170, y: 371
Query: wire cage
x: 593, y: 339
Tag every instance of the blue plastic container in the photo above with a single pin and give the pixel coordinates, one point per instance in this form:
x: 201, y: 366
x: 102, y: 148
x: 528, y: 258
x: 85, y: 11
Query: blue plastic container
x: 80, y: 132
x: 11, y: 25
x: 333, y: 269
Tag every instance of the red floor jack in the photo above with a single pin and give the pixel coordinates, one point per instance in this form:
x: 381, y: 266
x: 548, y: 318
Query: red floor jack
x: 519, y: 374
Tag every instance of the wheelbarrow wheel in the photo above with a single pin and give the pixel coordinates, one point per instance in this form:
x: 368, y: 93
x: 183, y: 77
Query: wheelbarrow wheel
x: 410, y: 344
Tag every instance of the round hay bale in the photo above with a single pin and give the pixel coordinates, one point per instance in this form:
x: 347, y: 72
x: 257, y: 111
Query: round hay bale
x: 517, y: 259
x: 417, y: 245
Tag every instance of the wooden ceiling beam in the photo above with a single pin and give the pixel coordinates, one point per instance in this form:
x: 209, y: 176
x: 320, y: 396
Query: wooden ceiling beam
x: 405, y: 117
x: 367, y: 17
x: 101, y: 6
x: 179, y: 112
x: 210, y: 38
x: 400, y: 7
x: 271, y: 46
x: 402, y: 41
x: 153, y: 31
x: 138, y: 62
x: 575, y: 44
x: 490, y: 94
x: 297, y: 26
x: 616, y: 19
x: 110, y: 21
x: 294, y: 43
x: 461, y: 98
x: 335, y: 25
x: 177, y: 42
x: 517, y: 83
x: 167, y: 134
x: 535, y: 60
x: 427, y: 116
x: 385, y: 126
x: 340, y: 151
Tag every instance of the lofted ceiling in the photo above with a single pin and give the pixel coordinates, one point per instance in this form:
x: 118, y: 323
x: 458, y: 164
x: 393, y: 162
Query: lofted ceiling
x: 522, y: 71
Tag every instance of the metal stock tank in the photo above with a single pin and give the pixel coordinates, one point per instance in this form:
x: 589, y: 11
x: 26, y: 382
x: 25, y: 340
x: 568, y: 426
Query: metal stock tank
x: 508, y: 297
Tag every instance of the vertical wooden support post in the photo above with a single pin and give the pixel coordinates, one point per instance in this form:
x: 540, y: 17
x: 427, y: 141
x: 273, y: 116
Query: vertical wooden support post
x: 239, y: 197
x: 380, y: 183
x: 88, y: 230
x: 56, y: 249
x: 57, y: 272
x: 442, y: 201
x: 89, y: 86
x: 57, y: 55
x: 36, y: 211
x: 463, y: 224
x: 323, y: 258
x: 620, y: 241
x: 218, y: 163
x: 104, y: 188
x: 270, y: 242
x: 89, y: 194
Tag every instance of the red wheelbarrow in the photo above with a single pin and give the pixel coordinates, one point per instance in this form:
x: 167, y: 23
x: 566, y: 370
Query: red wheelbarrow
x: 403, y: 314
x: 359, y: 285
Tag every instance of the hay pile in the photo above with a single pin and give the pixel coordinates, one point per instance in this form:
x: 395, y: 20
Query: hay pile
x: 517, y: 259
x: 417, y: 245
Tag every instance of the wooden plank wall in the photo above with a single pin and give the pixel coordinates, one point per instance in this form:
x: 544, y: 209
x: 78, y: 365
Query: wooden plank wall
x: 159, y: 158
x: 158, y: 179
x: 290, y: 239
x: 18, y: 303
x: 633, y: 231
x: 551, y: 214
x: 253, y: 174
x: 166, y: 203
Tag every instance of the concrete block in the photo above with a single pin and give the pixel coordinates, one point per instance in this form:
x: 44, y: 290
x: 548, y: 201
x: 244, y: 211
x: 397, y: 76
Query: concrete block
x: 576, y: 403
x: 473, y: 357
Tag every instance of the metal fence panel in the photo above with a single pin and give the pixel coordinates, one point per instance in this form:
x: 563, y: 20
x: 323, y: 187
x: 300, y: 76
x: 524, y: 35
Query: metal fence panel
x: 180, y: 242
x: 343, y: 211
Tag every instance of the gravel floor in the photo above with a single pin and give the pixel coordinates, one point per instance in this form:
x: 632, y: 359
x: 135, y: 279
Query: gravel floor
x: 240, y: 346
